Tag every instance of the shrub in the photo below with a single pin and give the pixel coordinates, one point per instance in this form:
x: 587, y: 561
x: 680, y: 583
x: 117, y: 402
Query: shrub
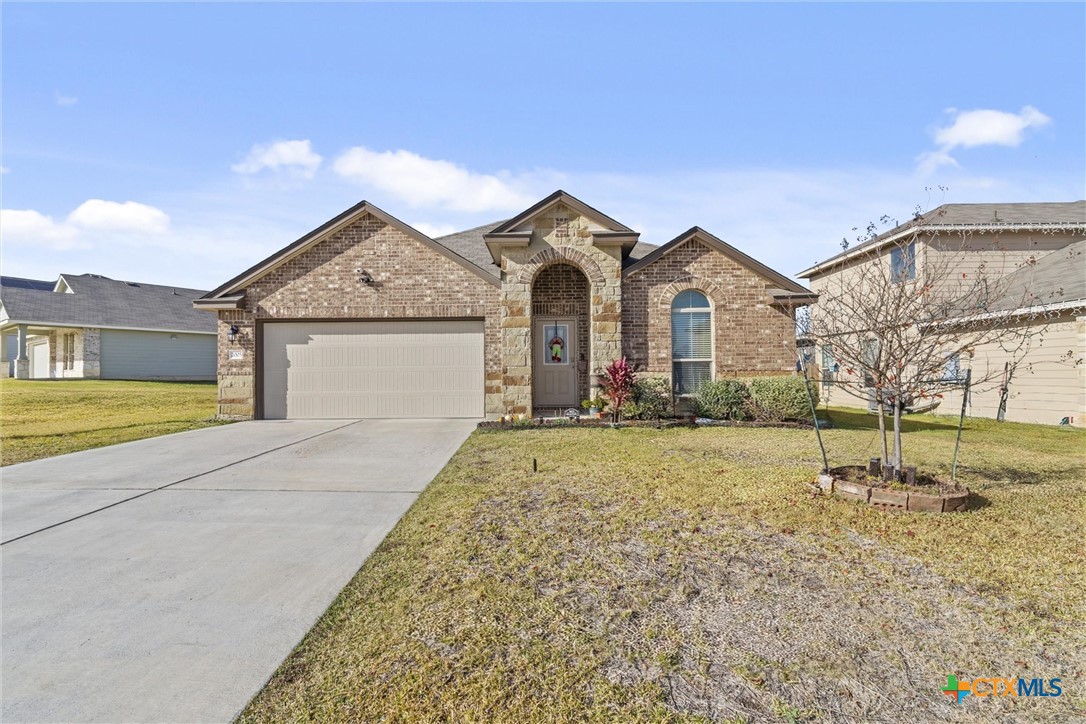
x: 650, y: 399
x: 721, y: 400
x: 781, y: 398
x: 618, y: 381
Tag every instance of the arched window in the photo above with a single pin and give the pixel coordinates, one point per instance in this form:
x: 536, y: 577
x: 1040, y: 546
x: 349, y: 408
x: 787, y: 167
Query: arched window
x: 691, y: 341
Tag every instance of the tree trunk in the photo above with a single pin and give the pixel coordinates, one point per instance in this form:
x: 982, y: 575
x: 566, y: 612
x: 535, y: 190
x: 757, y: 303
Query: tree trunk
x: 897, y: 437
x: 881, y: 407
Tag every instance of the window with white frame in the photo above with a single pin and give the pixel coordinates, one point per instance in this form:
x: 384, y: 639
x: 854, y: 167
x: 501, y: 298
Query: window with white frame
x: 691, y: 341
x: 903, y: 263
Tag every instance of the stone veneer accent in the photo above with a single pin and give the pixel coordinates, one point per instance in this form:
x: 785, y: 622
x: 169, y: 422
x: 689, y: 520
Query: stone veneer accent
x: 570, y: 243
x: 561, y: 290
x: 752, y: 335
x: 412, y: 282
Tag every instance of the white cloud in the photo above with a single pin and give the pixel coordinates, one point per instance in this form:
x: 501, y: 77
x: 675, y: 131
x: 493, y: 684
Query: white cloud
x: 785, y: 218
x: 435, y: 230
x: 29, y: 227
x: 92, y: 224
x: 130, y: 216
x: 297, y: 157
x: 64, y: 101
x: 982, y: 127
x: 425, y: 182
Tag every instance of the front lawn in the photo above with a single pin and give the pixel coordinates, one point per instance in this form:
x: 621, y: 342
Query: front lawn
x: 690, y: 575
x: 39, y: 419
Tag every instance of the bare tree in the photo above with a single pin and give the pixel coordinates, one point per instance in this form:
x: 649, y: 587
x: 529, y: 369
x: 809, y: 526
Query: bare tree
x: 904, y: 317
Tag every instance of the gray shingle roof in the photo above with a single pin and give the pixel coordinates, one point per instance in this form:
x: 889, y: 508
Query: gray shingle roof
x: 981, y: 215
x: 97, y: 301
x: 1055, y: 278
x: 471, y: 245
x: 640, y: 250
x: 1024, y: 213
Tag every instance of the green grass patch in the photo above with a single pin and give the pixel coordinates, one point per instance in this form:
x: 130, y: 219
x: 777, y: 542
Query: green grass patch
x: 40, y: 419
x: 691, y: 575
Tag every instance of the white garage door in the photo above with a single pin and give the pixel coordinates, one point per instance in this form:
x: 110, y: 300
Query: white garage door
x: 39, y: 359
x: 328, y: 370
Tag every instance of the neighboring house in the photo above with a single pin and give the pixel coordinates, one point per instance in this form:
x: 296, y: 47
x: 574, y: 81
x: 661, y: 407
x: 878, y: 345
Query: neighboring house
x: 368, y: 317
x: 1039, y: 253
x: 90, y: 327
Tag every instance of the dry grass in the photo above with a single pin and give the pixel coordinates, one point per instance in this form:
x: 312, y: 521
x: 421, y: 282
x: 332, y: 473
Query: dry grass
x: 40, y: 419
x: 690, y: 575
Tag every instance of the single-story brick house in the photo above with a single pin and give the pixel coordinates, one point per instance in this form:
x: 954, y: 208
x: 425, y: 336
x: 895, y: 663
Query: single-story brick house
x: 87, y: 326
x: 368, y: 317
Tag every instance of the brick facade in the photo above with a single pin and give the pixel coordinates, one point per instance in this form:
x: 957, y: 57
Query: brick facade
x: 567, y: 266
x: 752, y: 335
x: 411, y: 281
x: 86, y: 363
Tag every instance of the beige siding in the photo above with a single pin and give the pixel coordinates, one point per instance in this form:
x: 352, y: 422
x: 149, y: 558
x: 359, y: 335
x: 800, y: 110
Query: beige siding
x: 1048, y: 384
x: 972, y: 255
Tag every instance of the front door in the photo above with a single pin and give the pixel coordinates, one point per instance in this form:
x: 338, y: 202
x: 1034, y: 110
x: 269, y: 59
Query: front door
x: 554, y: 369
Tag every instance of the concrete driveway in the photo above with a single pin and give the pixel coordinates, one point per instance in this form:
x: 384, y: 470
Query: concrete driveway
x: 166, y: 579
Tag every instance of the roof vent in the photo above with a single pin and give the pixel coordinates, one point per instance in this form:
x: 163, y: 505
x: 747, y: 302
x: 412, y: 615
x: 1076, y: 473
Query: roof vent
x: 132, y: 284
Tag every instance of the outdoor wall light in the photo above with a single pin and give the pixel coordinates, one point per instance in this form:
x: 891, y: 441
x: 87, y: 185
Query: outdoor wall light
x: 365, y: 277
x: 232, y: 335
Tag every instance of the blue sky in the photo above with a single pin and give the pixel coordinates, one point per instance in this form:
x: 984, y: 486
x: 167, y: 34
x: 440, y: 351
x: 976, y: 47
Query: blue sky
x: 181, y: 143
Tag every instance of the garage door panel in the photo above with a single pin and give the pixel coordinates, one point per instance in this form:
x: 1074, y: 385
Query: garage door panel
x: 373, y: 369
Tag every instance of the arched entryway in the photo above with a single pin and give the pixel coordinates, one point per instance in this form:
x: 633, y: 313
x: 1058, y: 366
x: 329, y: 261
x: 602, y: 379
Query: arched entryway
x: 561, y: 303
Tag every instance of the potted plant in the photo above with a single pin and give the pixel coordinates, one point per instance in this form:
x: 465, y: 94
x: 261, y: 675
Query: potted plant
x: 595, y: 406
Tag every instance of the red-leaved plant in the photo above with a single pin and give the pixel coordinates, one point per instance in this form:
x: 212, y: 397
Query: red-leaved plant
x: 618, y: 381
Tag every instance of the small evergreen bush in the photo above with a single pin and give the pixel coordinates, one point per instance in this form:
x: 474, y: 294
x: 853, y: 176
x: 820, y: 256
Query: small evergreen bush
x: 781, y: 398
x: 722, y: 400
x: 650, y: 399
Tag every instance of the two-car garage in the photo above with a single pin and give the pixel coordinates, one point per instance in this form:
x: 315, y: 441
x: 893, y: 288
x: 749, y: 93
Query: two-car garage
x: 372, y: 369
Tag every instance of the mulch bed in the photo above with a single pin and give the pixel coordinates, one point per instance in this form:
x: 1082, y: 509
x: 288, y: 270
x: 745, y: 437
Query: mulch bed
x: 561, y: 422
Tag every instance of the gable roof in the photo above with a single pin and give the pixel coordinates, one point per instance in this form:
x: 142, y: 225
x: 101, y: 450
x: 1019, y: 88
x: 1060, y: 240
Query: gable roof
x: 784, y: 287
x: 979, y: 217
x: 569, y: 200
x: 98, y: 301
x: 325, y: 230
x: 1056, y: 278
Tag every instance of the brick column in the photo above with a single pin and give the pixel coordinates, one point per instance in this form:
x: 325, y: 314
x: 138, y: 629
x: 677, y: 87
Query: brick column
x: 90, y: 355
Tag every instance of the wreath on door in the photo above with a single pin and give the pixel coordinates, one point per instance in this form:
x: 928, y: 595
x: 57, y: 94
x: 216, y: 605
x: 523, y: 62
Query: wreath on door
x: 557, y: 348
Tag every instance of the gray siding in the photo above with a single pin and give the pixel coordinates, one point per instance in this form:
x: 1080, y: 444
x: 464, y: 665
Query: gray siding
x: 128, y: 355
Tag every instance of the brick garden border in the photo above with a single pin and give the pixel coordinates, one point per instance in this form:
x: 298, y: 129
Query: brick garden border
x: 888, y: 499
